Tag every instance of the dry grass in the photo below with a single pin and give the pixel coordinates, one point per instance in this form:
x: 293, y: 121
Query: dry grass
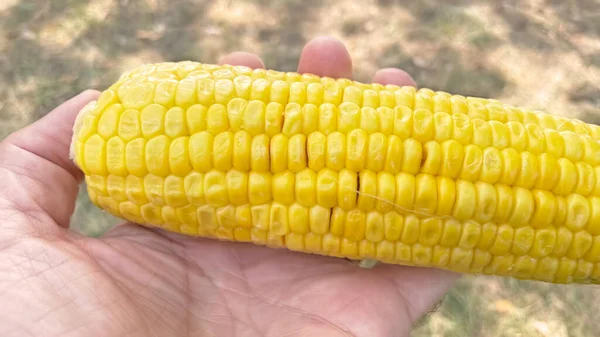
x: 544, y: 54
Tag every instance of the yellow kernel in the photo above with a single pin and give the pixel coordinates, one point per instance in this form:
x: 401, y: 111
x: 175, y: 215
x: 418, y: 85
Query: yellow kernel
x: 403, y: 121
x: 407, y: 184
x: 593, y: 224
x: 524, y: 267
x: 544, y: 210
x: 506, y: 203
x: 466, y: 197
x: 582, y: 242
x: 482, y: 133
x: 236, y: 112
x: 573, y: 146
x: 319, y: 219
x: 529, y: 172
x: 523, y: 207
x: 367, y: 190
x: 293, y: 119
x: 548, y: 175
x: 327, y: 188
x: 154, y: 188
x: 394, y: 155
x: 352, y: 94
x: 393, y: 226
x: 260, y: 90
x: 403, y: 252
x: 543, y: 242
x: 405, y: 96
x: 461, y: 259
x: 518, y: 136
x: 413, y: 154
x: 243, y: 235
x: 586, y: 179
x: 421, y: 255
x: 355, y: 225
x: 152, y: 214
x: 115, y: 156
x: 463, y: 129
x: 164, y: 94
x: 194, y: 188
x: 503, y: 241
x: 298, y: 219
x: 259, y: 154
x: 328, y: 118
x: 134, y: 190
x: 273, y: 119
x: 306, y: 183
x: 385, y: 251
x: 523, y: 240
x: 200, y: 150
x: 441, y: 256
x: 443, y: 125
x: 430, y: 231
x: 280, y: 92
x: 491, y: 166
x: 179, y: 159
x: 432, y: 158
x: 425, y: 193
x: 386, y: 120
x: 555, y: 144
x: 260, y: 187
x: 108, y: 123
x: 332, y: 93
x: 224, y: 91
x: 488, y: 235
x: 485, y: 208
x: 217, y: 120
x: 283, y: 187
x: 215, y: 188
x: 115, y: 186
x: 338, y: 221
x: 279, y: 153
x: 368, y: 120
x: 347, y: 189
x: 564, y: 237
x: 578, y: 212
x: 254, y: 118
x: 278, y: 219
x: 410, y: 235
x: 335, y: 157
x: 473, y: 160
x: 511, y: 161
x: 175, y: 123
x: 226, y: 216
x: 386, y: 192
x: 311, y: 115
x: 314, y: 92
x: 157, y: 155
x: 185, y: 94
x: 138, y: 96
x: 470, y: 236
x: 377, y: 148
x: 222, y: 152
x: 296, y: 154
x: 316, y: 147
x: 260, y: 216
x: 242, y: 86
x: 331, y: 244
x: 423, y: 125
x: 237, y: 187
x: 195, y: 118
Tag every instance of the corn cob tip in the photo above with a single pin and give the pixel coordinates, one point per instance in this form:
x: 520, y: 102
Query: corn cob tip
x: 77, y: 127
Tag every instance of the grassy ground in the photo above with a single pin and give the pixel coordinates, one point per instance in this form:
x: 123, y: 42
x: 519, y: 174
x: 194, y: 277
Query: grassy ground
x: 544, y: 54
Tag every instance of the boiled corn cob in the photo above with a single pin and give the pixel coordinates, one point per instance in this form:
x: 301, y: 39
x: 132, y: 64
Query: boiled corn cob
x: 341, y: 168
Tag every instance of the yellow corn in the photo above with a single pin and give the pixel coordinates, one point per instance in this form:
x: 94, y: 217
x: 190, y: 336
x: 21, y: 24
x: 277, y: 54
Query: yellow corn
x: 340, y: 168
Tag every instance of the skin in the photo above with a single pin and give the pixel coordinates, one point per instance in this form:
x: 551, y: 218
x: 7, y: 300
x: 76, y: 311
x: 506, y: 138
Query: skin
x: 136, y: 281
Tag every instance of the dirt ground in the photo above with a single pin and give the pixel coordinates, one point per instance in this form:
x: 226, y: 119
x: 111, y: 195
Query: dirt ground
x: 542, y: 54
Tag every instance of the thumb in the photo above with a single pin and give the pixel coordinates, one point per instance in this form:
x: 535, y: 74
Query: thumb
x: 39, y: 179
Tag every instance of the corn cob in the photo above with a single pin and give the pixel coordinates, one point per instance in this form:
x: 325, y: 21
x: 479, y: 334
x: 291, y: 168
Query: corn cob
x: 346, y: 169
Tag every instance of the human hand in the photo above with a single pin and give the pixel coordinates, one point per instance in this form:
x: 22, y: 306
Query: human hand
x: 136, y: 281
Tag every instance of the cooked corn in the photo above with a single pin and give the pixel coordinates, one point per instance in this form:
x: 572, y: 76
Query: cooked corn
x: 340, y: 168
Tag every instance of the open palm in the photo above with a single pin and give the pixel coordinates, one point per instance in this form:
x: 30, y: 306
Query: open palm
x: 136, y: 281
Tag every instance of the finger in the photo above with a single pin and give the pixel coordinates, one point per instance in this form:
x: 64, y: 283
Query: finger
x: 393, y: 76
x: 243, y: 59
x: 326, y: 56
x: 39, y: 176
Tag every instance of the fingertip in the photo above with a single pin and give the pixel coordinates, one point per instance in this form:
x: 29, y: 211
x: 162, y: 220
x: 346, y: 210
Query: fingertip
x: 326, y: 56
x: 243, y: 59
x: 393, y: 76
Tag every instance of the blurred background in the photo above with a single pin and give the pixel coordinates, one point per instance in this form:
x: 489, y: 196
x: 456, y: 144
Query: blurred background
x: 542, y: 54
